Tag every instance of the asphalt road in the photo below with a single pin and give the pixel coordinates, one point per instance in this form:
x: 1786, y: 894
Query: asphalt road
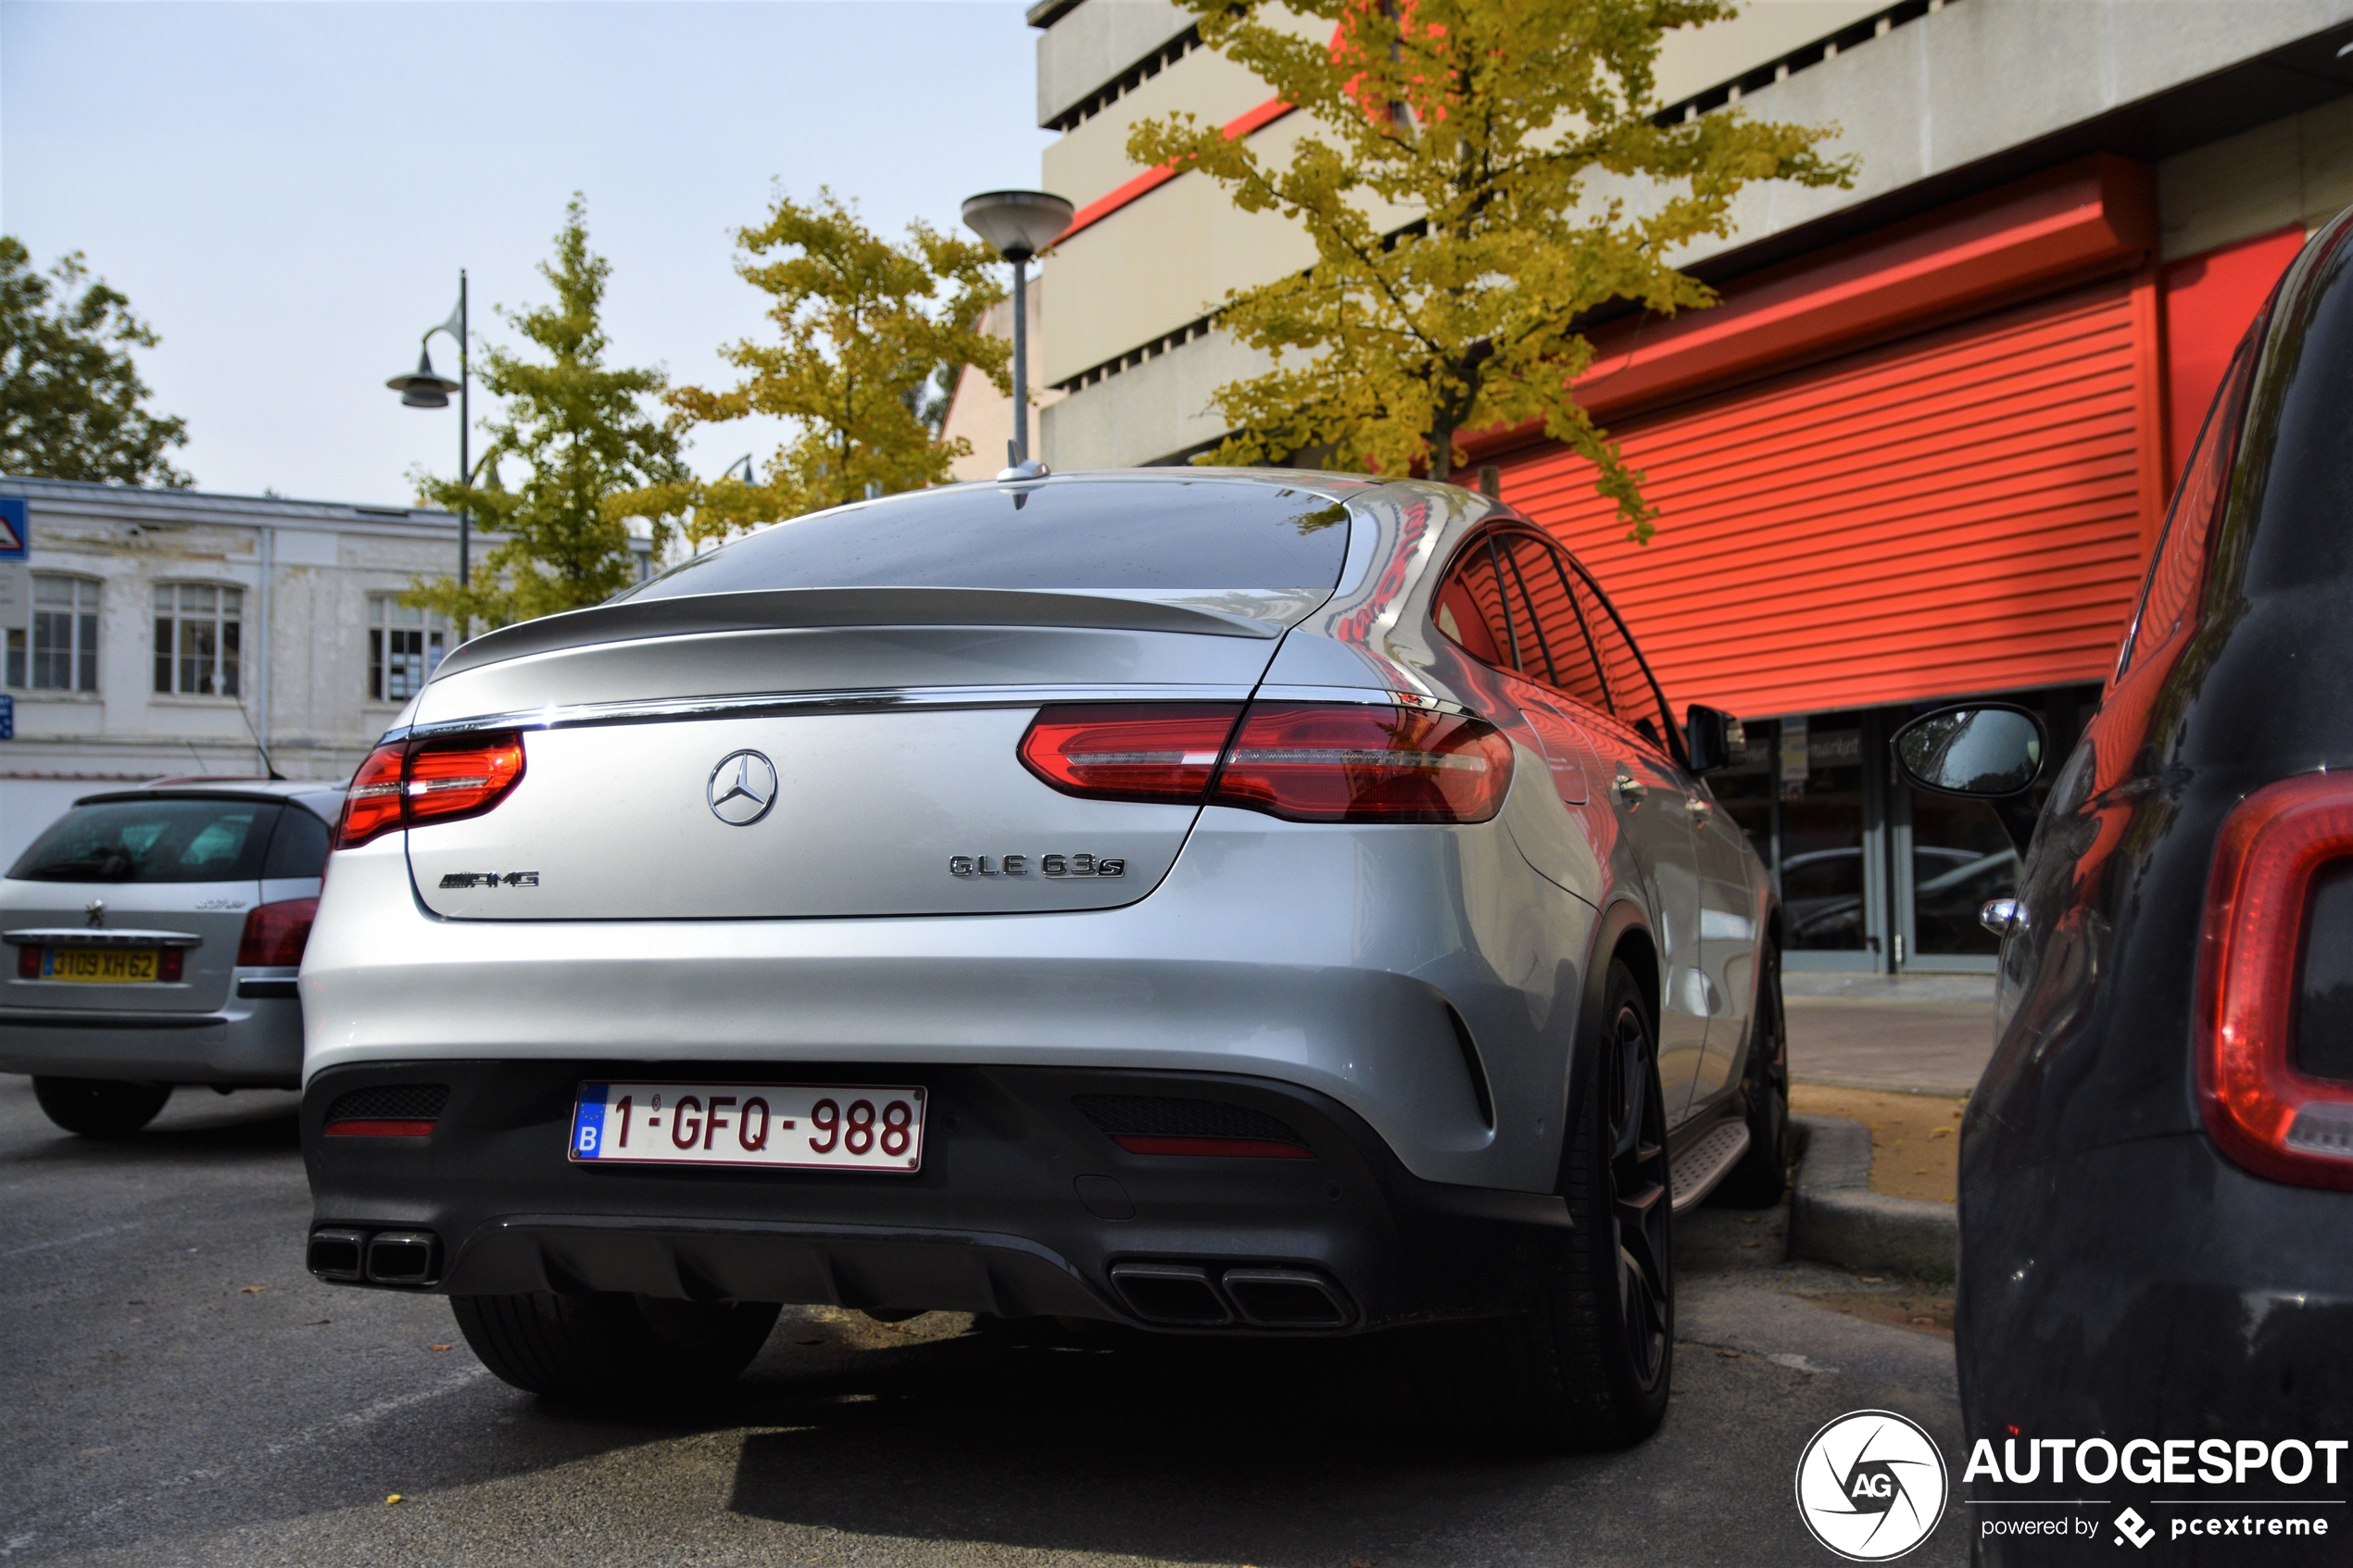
x: 178, y: 1390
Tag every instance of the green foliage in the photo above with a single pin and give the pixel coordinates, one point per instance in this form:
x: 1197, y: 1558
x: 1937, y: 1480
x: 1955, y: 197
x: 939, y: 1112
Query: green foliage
x: 1480, y: 175
x: 591, y: 448
x: 69, y: 393
x: 868, y: 345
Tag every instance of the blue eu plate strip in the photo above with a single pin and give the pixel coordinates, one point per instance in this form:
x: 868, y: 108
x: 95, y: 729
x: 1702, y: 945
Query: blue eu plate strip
x: 588, y: 1123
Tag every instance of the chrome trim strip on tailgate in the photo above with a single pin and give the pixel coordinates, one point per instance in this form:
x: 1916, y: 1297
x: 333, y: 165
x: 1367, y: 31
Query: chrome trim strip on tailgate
x: 29, y: 1018
x: 92, y: 936
x: 754, y: 704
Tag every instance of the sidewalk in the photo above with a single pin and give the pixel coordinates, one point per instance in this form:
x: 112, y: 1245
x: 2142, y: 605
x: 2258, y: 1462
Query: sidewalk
x: 1930, y: 1035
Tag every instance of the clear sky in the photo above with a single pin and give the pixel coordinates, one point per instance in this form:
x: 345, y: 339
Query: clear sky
x: 287, y: 191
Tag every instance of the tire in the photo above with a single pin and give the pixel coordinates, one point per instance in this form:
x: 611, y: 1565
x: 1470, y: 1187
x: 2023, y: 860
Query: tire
x: 1758, y: 1181
x: 99, y: 1108
x: 1586, y: 1364
x: 636, y: 1347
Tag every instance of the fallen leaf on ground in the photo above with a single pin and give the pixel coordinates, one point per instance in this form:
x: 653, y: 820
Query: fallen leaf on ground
x: 1871, y: 1279
x: 1730, y: 1355
x: 1360, y: 1562
x: 1751, y: 1244
x: 1748, y: 1219
x: 251, y: 1289
x: 437, y: 1347
x: 394, y: 1499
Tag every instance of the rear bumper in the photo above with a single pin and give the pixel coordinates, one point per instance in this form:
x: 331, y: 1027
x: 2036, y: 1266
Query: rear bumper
x: 253, y: 1040
x: 1323, y: 956
x: 1024, y: 1207
x: 2153, y: 1289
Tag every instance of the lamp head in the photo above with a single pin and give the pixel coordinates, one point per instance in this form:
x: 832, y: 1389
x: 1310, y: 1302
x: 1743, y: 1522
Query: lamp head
x: 423, y: 387
x: 1018, y: 223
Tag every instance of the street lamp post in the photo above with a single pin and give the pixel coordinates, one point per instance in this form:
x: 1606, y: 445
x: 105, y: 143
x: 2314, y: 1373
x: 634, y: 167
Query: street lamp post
x: 1019, y: 224
x: 425, y: 387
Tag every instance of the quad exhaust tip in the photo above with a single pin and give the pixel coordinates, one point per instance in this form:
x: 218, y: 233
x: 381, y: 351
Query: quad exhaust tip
x: 354, y: 1256
x: 1183, y: 1295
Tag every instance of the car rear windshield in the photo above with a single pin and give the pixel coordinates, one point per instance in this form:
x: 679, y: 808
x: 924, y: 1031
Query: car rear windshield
x: 153, y: 840
x: 1105, y: 533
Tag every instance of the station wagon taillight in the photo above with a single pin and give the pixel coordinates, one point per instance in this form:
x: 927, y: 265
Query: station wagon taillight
x: 1307, y: 762
x: 276, y: 933
x: 409, y: 783
x: 2275, y: 1067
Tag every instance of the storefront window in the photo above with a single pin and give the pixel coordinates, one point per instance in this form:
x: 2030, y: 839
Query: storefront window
x: 1822, y: 872
x: 1961, y: 856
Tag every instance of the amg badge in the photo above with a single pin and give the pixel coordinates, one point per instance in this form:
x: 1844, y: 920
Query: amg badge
x: 491, y: 879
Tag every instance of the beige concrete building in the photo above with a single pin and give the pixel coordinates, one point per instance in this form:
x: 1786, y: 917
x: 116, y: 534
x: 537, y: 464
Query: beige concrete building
x: 159, y: 632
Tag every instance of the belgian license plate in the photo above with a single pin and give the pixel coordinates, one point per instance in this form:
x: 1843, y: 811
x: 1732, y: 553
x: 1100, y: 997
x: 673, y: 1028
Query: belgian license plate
x: 784, y: 1126
x: 109, y: 966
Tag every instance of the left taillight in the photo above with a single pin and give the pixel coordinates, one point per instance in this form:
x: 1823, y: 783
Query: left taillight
x: 371, y: 805
x: 411, y: 783
x: 2275, y: 1074
x: 1159, y: 752
x: 276, y: 934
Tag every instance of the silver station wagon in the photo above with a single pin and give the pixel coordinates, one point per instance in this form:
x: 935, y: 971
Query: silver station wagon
x: 1222, y: 903
x: 157, y: 933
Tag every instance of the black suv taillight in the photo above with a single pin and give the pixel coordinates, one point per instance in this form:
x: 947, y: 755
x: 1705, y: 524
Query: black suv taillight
x: 2275, y: 1066
x: 410, y: 783
x: 1307, y: 762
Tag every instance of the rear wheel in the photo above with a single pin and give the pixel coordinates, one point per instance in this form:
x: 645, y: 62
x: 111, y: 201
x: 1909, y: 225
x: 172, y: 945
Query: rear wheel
x: 1758, y: 1180
x: 99, y: 1108
x: 1586, y: 1363
x: 636, y: 1347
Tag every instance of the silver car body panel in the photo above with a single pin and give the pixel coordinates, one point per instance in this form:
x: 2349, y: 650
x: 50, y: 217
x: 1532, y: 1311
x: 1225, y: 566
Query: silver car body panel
x: 1326, y: 955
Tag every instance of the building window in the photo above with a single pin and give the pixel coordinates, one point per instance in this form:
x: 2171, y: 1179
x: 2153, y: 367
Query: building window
x: 198, y: 639
x: 63, y: 637
x: 405, y: 645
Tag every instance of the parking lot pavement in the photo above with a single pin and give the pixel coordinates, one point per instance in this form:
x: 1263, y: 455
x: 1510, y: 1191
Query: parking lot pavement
x: 180, y: 1391
x: 1931, y: 1047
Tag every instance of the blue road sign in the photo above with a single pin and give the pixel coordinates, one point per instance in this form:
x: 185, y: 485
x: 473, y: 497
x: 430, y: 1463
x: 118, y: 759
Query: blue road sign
x: 15, y: 531
x: 7, y: 717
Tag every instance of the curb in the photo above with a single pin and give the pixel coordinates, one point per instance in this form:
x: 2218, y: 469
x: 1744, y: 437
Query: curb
x: 1836, y: 1218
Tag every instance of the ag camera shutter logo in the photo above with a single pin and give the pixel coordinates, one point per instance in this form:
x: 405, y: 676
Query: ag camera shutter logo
x: 1871, y: 1485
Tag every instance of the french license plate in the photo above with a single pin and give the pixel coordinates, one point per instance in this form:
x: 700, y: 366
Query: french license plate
x: 784, y: 1126
x: 109, y: 966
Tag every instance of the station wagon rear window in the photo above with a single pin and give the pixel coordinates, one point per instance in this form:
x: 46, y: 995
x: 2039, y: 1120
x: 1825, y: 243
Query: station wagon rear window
x: 1154, y: 535
x: 153, y: 840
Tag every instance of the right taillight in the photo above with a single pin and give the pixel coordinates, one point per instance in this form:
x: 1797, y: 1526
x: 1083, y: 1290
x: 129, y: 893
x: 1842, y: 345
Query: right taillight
x: 1144, y: 751
x: 1308, y: 763
x: 2278, y: 952
x: 276, y: 933
x: 409, y: 783
x: 1345, y: 762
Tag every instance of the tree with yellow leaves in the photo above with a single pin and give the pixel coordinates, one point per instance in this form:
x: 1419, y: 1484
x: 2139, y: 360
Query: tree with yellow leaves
x: 868, y: 328
x: 1481, y: 175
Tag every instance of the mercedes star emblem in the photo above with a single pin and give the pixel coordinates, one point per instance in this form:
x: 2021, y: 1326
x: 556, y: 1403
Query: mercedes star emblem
x: 742, y: 788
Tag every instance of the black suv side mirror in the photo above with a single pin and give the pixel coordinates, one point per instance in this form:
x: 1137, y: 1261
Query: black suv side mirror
x: 1714, y: 739
x: 1980, y: 750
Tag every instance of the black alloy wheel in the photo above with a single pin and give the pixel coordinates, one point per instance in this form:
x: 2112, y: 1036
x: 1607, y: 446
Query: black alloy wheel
x: 1586, y: 1364
x: 1639, y: 1201
x: 1758, y: 1181
x: 99, y: 1108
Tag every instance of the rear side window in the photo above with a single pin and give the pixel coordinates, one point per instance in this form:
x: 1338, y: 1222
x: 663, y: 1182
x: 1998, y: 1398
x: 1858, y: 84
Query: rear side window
x: 298, y: 847
x: 1160, y: 533
x: 2176, y: 581
x: 153, y: 840
x: 1514, y: 601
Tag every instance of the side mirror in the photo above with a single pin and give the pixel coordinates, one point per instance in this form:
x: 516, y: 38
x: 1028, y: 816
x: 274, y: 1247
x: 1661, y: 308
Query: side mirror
x: 1985, y: 751
x: 1714, y: 739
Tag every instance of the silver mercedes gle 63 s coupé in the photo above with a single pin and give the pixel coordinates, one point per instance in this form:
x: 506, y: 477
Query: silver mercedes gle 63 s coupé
x: 1238, y: 903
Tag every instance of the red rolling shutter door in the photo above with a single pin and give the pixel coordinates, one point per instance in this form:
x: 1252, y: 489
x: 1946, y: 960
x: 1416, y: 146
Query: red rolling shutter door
x: 1958, y: 512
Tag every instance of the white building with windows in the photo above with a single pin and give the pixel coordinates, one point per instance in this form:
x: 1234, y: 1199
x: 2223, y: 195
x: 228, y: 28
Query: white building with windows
x: 154, y: 632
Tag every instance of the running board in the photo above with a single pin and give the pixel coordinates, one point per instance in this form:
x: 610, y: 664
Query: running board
x: 1700, y: 1167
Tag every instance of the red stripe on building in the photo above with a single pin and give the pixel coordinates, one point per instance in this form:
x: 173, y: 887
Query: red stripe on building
x: 1152, y: 179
